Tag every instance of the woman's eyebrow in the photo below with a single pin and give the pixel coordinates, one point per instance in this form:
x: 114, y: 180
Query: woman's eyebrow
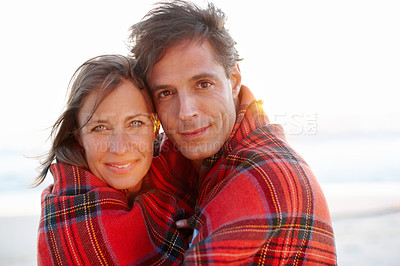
x: 98, y: 121
x: 136, y: 115
x: 104, y: 121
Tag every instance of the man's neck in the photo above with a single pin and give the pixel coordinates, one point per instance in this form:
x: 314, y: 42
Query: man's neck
x: 197, y: 165
x: 237, y: 105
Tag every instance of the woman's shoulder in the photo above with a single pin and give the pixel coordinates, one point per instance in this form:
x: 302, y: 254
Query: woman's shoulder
x: 72, y: 180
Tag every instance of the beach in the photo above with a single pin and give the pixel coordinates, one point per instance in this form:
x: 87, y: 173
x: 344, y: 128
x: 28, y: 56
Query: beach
x: 18, y: 240
x: 366, y: 222
x: 368, y: 240
x: 365, y: 216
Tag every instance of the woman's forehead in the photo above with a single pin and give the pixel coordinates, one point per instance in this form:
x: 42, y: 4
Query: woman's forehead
x: 125, y: 100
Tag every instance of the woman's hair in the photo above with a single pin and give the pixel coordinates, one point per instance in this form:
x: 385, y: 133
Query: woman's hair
x: 172, y: 22
x: 101, y: 74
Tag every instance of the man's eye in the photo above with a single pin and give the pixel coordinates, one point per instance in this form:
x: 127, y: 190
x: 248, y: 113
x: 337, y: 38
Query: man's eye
x: 204, y: 84
x: 99, y: 128
x: 164, y: 94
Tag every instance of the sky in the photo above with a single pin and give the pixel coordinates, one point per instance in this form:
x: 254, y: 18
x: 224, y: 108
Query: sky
x: 335, y: 62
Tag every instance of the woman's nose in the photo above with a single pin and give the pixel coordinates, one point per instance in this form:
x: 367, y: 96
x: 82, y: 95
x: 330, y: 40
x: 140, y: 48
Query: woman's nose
x: 119, y: 142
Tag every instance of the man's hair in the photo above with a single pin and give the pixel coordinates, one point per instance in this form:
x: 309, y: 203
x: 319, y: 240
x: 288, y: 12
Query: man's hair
x: 170, y: 23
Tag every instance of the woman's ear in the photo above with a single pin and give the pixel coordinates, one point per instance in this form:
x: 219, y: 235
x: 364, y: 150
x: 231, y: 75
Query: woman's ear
x: 156, y: 123
x: 79, y: 144
x: 236, y: 80
x: 78, y: 138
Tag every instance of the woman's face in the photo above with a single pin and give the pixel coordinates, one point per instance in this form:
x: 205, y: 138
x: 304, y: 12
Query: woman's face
x: 118, y: 139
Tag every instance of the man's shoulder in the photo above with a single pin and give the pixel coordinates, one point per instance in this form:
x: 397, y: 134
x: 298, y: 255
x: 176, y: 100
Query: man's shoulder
x: 264, y: 148
x: 265, y: 160
x: 265, y: 140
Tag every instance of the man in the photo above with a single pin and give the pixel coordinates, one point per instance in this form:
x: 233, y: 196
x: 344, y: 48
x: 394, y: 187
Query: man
x: 258, y: 201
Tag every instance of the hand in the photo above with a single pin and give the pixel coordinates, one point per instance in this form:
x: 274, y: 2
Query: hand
x: 183, y: 224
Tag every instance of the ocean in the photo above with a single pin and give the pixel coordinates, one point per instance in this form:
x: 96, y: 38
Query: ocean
x: 352, y: 158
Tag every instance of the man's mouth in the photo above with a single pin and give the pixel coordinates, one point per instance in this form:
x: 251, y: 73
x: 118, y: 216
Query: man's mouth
x: 195, y: 133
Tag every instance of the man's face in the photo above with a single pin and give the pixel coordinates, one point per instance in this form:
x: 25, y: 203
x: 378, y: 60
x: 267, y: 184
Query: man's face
x: 195, y: 99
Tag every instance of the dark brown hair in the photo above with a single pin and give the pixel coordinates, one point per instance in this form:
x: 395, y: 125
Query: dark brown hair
x: 103, y: 74
x: 172, y: 22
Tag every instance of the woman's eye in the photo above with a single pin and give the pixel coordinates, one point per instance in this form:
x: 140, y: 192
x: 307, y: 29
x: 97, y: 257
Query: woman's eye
x: 136, y: 123
x: 99, y: 128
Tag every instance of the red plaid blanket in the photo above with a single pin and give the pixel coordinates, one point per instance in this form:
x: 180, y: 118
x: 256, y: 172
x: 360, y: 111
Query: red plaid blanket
x: 85, y: 222
x: 259, y: 202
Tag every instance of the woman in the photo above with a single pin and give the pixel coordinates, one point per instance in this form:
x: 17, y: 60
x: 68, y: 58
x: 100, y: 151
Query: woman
x: 105, y: 206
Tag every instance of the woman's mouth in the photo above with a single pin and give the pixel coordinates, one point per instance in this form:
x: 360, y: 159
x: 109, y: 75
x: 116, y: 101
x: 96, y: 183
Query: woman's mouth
x: 120, y: 168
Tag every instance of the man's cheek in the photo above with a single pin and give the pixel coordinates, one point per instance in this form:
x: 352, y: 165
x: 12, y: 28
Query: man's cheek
x: 167, y: 121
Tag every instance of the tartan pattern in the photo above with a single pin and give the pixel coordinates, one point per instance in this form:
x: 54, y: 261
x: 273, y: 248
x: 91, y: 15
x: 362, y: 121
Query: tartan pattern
x: 259, y: 203
x: 85, y: 222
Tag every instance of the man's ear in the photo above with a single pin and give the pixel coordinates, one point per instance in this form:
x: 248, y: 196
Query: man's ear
x: 236, y: 80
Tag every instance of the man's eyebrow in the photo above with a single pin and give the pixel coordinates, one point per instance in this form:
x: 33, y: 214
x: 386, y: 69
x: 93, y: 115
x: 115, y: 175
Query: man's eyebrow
x: 158, y: 88
x: 203, y: 75
x: 192, y: 79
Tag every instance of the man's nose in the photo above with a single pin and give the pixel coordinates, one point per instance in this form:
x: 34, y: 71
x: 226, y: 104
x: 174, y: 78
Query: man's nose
x: 187, y: 107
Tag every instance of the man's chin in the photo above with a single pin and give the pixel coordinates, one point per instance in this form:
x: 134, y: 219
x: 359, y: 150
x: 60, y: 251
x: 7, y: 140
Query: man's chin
x: 197, y: 153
